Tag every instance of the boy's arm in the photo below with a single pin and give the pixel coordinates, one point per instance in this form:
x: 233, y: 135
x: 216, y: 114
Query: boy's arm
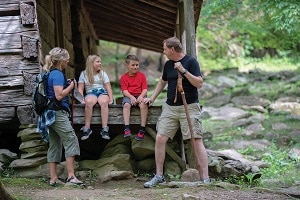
x: 127, y: 94
x: 142, y: 95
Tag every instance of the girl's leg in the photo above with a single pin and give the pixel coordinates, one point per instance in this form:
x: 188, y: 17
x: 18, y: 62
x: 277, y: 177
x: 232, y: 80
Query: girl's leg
x: 90, y: 101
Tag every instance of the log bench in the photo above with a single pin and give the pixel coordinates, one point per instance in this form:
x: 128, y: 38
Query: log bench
x: 115, y: 116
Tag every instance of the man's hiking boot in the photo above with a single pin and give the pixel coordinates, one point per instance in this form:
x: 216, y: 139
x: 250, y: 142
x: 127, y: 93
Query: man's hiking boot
x: 104, y: 133
x: 157, y: 179
x: 86, y: 132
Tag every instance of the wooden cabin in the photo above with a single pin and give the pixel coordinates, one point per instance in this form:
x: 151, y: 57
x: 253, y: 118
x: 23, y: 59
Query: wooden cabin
x: 30, y: 28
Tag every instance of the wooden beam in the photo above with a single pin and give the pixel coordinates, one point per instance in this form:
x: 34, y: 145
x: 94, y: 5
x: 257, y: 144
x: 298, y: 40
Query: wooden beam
x: 115, y: 115
x: 169, y: 5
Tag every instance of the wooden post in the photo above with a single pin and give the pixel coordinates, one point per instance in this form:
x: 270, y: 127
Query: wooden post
x: 189, y: 27
x: 187, y: 37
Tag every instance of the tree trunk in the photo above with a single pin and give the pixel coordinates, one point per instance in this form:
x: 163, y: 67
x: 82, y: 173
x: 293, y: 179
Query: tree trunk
x: 4, y: 195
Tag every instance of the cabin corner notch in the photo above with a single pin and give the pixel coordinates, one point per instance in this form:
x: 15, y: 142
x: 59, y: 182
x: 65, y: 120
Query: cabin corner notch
x: 27, y: 11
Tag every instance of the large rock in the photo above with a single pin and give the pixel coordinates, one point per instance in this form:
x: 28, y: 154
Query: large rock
x: 114, y: 150
x: 29, y: 134
x: 171, y: 167
x: 250, y: 101
x: 33, y: 154
x: 7, y: 156
x: 292, y: 107
x: 143, y: 149
x: 23, y: 163
x: 38, y: 171
x: 32, y: 144
x: 120, y: 162
x: 226, y: 113
x: 109, y: 172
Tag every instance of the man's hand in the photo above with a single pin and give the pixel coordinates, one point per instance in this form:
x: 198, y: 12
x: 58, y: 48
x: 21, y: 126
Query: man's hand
x: 148, y: 101
x: 179, y: 67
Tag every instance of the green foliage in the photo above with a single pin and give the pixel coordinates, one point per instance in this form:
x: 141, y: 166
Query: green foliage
x: 246, y: 181
x: 285, y: 14
x: 174, y: 177
x: 233, y: 28
x: 39, y: 183
x: 246, y: 64
x: 249, y: 151
x: 279, y: 165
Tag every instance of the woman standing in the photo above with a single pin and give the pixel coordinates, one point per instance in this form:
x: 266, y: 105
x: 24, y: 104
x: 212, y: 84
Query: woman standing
x: 61, y: 132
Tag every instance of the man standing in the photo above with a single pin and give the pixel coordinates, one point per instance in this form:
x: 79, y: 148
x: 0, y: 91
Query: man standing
x: 173, y: 111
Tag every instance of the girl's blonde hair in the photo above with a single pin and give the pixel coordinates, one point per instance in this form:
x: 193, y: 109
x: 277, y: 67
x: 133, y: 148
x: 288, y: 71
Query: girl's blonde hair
x: 89, y: 68
x: 55, y: 56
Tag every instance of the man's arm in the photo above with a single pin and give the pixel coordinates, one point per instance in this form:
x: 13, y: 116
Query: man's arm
x: 158, y: 88
x: 194, y: 80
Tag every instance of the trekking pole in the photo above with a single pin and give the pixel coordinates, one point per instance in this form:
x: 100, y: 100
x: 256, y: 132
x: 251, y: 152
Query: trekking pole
x: 180, y: 89
x: 72, y: 108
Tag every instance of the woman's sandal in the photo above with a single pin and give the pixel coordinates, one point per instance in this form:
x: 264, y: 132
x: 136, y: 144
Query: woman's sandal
x: 74, y: 180
x: 56, y: 183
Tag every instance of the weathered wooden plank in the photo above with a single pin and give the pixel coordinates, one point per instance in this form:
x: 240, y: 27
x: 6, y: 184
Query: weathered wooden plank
x: 66, y: 20
x: 9, y: 18
x: 115, y: 115
x: 10, y: 51
x: 9, y: 7
x: 11, y: 81
x: 13, y: 25
x: 16, y: 99
x: 47, y: 7
x: 15, y: 40
x: 10, y: 41
x: 47, y: 32
x: 7, y: 114
x: 6, y: 2
x: 17, y: 62
x: 165, y: 5
x: 69, y: 46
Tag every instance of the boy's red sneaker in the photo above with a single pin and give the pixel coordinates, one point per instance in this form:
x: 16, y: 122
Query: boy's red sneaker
x: 127, y: 133
x: 140, y: 135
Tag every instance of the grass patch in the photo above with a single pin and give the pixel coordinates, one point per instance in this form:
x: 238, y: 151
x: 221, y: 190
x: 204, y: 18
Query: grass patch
x: 38, y: 183
x: 246, y: 64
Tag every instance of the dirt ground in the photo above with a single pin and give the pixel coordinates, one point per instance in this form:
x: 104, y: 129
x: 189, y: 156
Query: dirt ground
x: 133, y: 189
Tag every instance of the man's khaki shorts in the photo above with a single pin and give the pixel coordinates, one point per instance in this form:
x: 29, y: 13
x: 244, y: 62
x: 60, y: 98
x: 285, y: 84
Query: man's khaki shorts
x: 174, y: 117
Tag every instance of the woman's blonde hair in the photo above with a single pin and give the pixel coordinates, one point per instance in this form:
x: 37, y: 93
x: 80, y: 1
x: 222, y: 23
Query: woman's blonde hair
x: 89, y: 67
x: 55, y: 56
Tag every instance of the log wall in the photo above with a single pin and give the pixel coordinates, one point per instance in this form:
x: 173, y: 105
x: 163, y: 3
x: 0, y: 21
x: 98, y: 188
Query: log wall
x: 18, y: 53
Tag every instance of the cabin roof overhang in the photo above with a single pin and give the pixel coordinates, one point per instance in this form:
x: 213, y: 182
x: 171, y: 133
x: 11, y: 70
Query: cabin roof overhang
x: 139, y: 23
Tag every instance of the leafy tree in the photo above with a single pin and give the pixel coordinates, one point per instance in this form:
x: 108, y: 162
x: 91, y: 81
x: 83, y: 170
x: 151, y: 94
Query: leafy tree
x: 244, y: 25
